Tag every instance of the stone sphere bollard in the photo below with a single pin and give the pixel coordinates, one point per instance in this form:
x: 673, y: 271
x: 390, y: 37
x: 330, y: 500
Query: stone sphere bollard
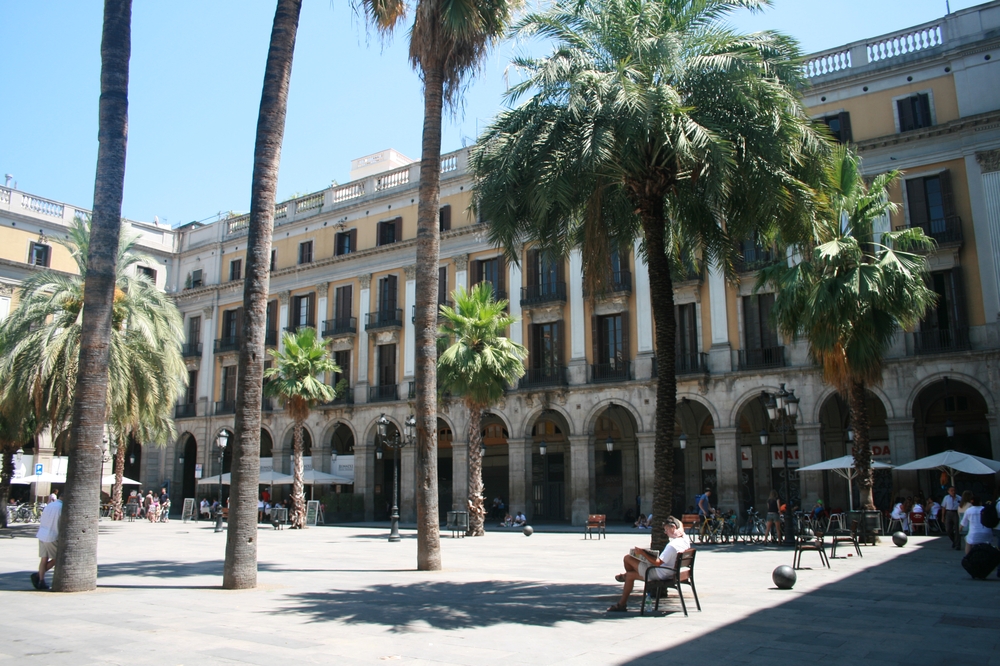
x: 899, y: 538
x: 784, y: 577
x: 527, y: 530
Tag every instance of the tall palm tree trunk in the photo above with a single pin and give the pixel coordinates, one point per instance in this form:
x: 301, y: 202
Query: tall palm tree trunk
x: 661, y: 287
x: 116, y: 489
x: 862, y: 444
x: 477, y: 514
x: 76, y: 562
x: 240, y: 570
x: 298, y: 489
x: 428, y: 246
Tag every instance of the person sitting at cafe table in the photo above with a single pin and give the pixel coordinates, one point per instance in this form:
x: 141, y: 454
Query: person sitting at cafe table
x: 637, y: 565
x: 819, y: 512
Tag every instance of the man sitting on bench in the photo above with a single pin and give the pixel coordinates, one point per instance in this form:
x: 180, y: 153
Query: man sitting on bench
x: 637, y: 564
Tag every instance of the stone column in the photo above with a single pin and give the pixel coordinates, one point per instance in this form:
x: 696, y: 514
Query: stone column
x: 407, y: 484
x: 364, y: 306
x: 810, y: 452
x: 519, y: 460
x: 581, y: 470
x: 645, y: 350
x: 459, y: 475
x: 514, y: 284
x: 647, y: 460
x: 409, y: 330
x: 206, y: 371
x: 461, y: 270
x: 902, y: 449
x: 364, y: 476
x: 984, y: 191
x: 720, y: 358
x: 727, y: 456
x: 991, y: 420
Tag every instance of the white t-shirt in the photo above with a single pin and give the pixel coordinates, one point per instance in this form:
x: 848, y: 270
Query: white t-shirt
x: 977, y: 533
x: 950, y: 503
x: 48, y: 524
x: 669, y: 557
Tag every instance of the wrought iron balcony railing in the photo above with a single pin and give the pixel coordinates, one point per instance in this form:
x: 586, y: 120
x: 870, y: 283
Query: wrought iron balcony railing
x: 540, y: 294
x: 227, y: 344
x: 541, y: 377
x: 384, y: 319
x: 341, y: 326
x: 765, y: 357
x: 602, y: 373
x: 186, y: 411
x: 940, y: 341
x: 191, y: 350
x: 384, y: 393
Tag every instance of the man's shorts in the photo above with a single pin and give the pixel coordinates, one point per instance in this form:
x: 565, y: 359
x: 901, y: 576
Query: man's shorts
x: 48, y: 549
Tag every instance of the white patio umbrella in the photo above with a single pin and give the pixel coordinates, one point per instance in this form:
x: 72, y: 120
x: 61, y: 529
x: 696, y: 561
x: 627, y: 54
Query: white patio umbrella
x: 214, y: 480
x: 844, y: 466
x: 267, y: 478
x: 314, y: 477
x: 109, y: 480
x: 953, y: 462
x: 47, y: 477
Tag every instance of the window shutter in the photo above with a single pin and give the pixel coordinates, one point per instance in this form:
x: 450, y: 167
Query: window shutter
x: 905, y: 108
x: 947, y: 194
x: 274, y: 260
x: 239, y: 321
x: 442, y: 284
x: 846, y: 135
x: 560, y: 341
x: 478, y: 272
x: 31, y: 253
x: 768, y: 334
x: 311, y: 310
x: 626, y: 354
x: 532, y: 268
x: 352, y: 235
x: 959, y: 311
x: 398, y: 222
x: 923, y: 104
x: 444, y: 218
x: 501, y: 276
x: 272, y: 315
x: 916, y: 199
x: 595, y: 339
x: 751, y: 323
x: 560, y: 275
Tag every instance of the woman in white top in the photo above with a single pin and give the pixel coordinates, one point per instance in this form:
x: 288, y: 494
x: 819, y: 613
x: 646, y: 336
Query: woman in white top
x: 977, y: 532
x: 636, y: 565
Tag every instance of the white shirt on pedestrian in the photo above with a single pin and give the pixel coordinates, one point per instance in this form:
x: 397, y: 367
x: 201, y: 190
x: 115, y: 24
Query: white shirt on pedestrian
x: 977, y: 532
x: 48, y: 524
x: 950, y: 503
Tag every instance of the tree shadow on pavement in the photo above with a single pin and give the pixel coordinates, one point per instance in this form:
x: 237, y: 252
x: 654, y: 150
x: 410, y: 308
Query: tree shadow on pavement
x: 453, y: 605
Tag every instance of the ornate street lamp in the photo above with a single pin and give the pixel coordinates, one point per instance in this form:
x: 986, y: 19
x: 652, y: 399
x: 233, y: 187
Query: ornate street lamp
x: 609, y: 444
x: 221, y: 441
x: 542, y: 447
x: 683, y: 441
x: 395, y: 443
x: 782, y: 409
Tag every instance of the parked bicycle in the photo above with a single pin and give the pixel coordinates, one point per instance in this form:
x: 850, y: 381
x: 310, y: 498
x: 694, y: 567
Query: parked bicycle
x: 25, y: 513
x: 754, y: 530
x: 711, y: 529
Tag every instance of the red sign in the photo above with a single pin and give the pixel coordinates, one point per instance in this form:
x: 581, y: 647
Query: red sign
x: 778, y: 455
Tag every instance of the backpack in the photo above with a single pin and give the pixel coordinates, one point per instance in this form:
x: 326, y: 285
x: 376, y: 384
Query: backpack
x: 989, y: 517
x: 981, y: 560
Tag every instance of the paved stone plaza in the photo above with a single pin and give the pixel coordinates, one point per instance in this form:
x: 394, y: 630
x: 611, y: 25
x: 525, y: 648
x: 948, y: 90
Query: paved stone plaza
x: 344, y: 595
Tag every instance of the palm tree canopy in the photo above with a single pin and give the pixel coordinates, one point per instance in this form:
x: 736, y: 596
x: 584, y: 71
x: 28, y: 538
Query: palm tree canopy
x: 481, y: 362
x: 649, y: 100
x: 296, y: 375
x: 40, y: 345
x: 857, y: 284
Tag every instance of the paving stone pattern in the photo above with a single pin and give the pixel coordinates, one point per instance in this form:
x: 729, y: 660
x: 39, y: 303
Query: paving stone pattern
x: 343, y: 595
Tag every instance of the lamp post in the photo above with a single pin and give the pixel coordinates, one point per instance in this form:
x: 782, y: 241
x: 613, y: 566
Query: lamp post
x: 782, y: 408
x: 394, y: 443
x: 221, y: 441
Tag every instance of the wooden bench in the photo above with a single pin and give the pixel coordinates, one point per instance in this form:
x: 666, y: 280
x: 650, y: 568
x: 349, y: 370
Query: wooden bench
x: 596, y: 522
x: 691, y: 523
x: 458, y: 523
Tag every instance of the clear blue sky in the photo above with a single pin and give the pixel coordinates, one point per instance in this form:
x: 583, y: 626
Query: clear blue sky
x: 196, y: 72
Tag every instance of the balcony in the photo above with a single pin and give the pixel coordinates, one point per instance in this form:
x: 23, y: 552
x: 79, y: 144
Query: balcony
x: 382, y: 319
x: 941, y: 341
x: 191, y: 350
x: 541, y: 294
x: 340, y: 401
x: 186, y: 411
x: 386, y: 393
x: 267, y: 405
x: 542, y: 377
x: 341, y: 326
x: 603, y: 373
x: 759, y: 359
x: 271, y: 338
x: 755, y: 258
x: 946, y: 231
x: 413, y: 310
x: 228, y: 343
x: 691, y: 363
x: 225, y: 407
x: 621, y: 282
x: 295, y: 329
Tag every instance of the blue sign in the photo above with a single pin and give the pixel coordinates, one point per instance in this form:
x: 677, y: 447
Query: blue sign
x: 39, y: 469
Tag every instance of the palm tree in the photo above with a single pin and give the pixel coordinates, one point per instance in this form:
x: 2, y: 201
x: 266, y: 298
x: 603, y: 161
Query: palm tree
x: 294, y: 379
x: 478, y: 367
x: 854, y: 289
x: 76, y: 563
x: 240, y: 571
x: 448, y: 42
x: 41, y: 340
x: 649, y: 119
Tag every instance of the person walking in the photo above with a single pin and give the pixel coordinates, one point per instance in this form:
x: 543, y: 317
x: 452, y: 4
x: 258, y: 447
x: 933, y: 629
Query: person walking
x: 950, y: 506
x: 48, y: 541
x: 971, y: 521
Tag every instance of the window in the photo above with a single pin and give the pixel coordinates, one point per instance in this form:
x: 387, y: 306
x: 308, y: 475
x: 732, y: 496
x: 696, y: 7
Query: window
x: 148, y: 272
x: 343, y: 361
x: 931, y: 206
x: 228, y: 387
x: 194, y: 330
x: 274, y: 260
x: 235, y: 269
x: 232, y: 324
x: 197, y: 280
x: 343, y: 303
x: 390, y: 231
x: 306, y: 252
x: 492, y: 271
x: 386, y: 365
x: 839, y: 125
x: 757, y: 330
x: 304, y: 310
x: 192, y: 390
x: 611, y: 342
x: 442, y: 285
x: 949, y: 313
x: 387, y: 294
x: 914, y: 112
x: 39, y: 254
x: 346, y: 242
x: 546, y: 348
x: 687, y: 330
x: 544, y: 273
x: 271, y: 332
x: 444, y: 218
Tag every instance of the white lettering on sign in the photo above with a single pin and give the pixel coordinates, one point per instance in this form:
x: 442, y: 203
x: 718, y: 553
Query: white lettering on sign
x: 778, y: 456
x: 708, y: 458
